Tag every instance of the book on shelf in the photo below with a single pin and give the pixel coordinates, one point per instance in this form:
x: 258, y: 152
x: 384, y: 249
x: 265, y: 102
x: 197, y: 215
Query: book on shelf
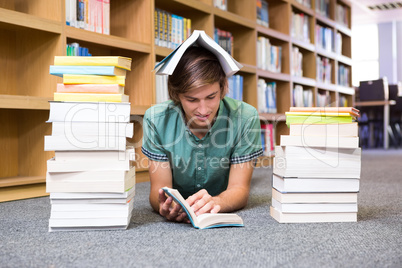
x: 267, y: 131
x: 91, y: 15
x: 269, y: 57
x: 314, y: 185
x: 170, y: 29
x: 90, y: 97
x: 111, y: 181
x: 117, y: 61
x: 59, y: 70
x: 90, y: 88
x: 266, y: 92
x: 70, y: 142
x: 93, y: 129
x: 168, y: 64
x: 206, y: 220
x: 297, y: 161
x: 314, y: 197
x: 297, y: 62
x: 89, y: 112
x: 302, y: 97
x: 341, y: 130
x: 221, y: 4
x: 282, y: 217
x: 300, y: 27
x: 93, y: 79
x: 224, y: 39
x: 235, y: 87
x: 74, y: 49
x: 320, y: 141
x: 92, y: 198
x: 313, y: 207
x: 262, y: 13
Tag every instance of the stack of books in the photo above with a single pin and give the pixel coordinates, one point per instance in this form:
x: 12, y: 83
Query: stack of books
x: 91, y: 179
x: 317, y: 167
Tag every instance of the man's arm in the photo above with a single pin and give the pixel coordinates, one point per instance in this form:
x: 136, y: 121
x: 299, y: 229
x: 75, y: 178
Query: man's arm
x: 233, y: 198
x: 160, y: 176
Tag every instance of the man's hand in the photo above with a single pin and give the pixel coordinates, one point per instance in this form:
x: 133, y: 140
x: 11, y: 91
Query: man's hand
x: 202, y: 202
x: 169, y: 209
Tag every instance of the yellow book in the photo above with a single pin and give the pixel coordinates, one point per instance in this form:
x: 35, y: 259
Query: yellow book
x: 90, y: 97
x: 93, y: 79
x: 121, y: 62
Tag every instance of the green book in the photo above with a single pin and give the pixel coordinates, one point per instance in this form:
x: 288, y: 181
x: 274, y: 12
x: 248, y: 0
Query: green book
x: 316, y: 119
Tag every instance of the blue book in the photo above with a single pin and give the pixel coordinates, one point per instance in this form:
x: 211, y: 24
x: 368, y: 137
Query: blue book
x: 206, y: 220
x: 59, y: 70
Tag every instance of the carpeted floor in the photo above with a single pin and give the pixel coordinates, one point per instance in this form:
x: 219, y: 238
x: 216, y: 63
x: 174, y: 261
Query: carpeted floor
x: 374, y: 241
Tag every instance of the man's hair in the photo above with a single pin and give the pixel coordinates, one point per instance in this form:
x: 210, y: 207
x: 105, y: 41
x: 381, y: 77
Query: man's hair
x: 197, y: 67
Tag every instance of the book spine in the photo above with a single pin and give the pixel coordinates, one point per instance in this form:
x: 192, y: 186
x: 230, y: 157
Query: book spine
x: 106, y: 17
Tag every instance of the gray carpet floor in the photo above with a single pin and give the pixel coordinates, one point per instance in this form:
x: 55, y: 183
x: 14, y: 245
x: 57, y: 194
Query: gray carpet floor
x: 374, y: 241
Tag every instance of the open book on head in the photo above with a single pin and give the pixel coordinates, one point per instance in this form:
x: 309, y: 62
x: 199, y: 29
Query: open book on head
x: 206, y: 220
x: 200, y: 38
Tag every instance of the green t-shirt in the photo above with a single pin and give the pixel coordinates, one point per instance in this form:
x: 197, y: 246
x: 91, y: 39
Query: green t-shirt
x: 197, y: 164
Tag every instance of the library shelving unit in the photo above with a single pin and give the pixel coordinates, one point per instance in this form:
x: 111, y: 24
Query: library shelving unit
x: 33, y: 32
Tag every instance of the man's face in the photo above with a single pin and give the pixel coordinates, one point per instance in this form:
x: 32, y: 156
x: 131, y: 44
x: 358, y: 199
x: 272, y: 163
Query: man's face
x: 201, y: 105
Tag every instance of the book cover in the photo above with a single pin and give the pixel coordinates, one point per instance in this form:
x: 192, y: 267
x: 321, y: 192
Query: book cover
x: 313, y: 207
x: 59, y: 70
x: 121, y: 62
x: 90, y: 97
x: 168, y: 64
x: 206, y: 220
x: 93, y: 79
x: 336, y: 130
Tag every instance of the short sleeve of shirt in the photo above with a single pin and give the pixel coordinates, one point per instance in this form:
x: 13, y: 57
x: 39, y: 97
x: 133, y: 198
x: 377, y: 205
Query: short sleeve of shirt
x: 248, y: 144
x: 151, y: 142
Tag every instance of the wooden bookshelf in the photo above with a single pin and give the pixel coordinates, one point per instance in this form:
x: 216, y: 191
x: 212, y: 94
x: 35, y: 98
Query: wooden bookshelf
x: 33, y: 32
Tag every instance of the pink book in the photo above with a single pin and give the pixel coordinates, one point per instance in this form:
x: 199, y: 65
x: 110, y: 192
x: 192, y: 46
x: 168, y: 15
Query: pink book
x: 90, y: 88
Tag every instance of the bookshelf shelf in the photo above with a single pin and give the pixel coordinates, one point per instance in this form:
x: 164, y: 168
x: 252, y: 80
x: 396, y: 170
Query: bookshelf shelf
x: 33, y: 32
x: 274, y: 76
x: 14, y: 19
x: 304, y: 81
x: 228, y: 20
x: 21, y: 180
x: 106, y: 40
x: 272, y: 33
x: 24, y: 102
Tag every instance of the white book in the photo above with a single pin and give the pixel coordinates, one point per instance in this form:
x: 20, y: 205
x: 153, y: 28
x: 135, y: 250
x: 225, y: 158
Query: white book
x: 282, y: 217
x: 313, y: 207
x: 93, y: 129
x: 315, y: 162
x: 314, y: 185
x: 90, y: 198
x: 89, y: 112
x: 314, y: 197
x: 320, y: 141
x: 86, y: 163
x: 91, y: 181
x: 337, y: 130
x: 117, y: 222
x: 168, y: 64
x: 96, y: 176
x: 85, y: 143
x: 96, y: 155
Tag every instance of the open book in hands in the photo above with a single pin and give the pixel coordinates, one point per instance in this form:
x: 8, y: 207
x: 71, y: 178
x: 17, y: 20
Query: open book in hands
x: 206, y: 220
